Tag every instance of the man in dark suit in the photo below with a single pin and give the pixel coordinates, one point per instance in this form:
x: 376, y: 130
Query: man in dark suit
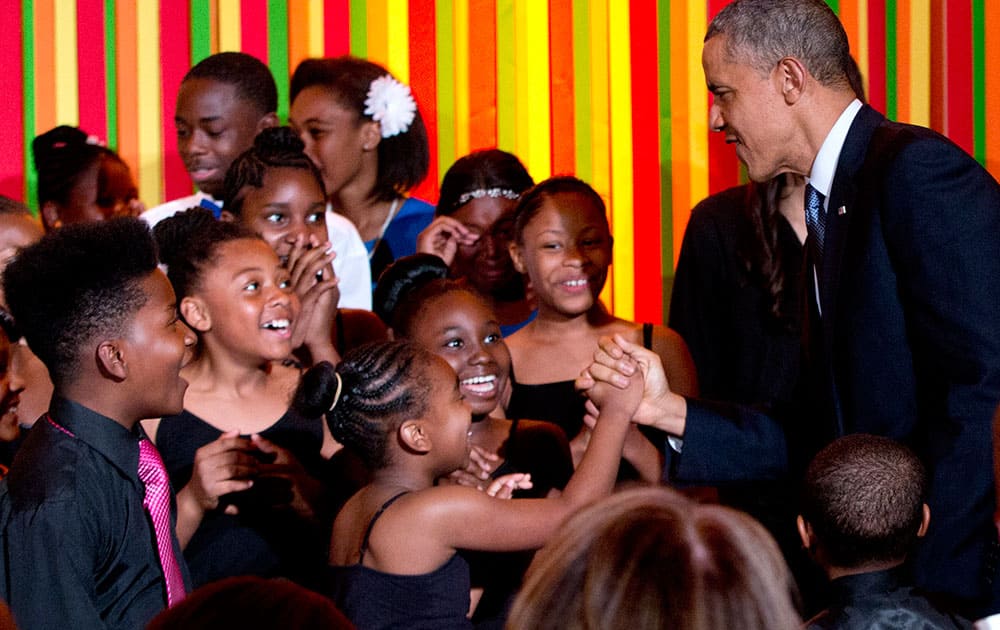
x: 902, y: 335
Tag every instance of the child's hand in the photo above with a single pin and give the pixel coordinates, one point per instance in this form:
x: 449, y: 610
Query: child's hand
x: 222, y: 467
x: 605, y: 397
x: 477, y: 472
x: 504, y: 487
x: 314, y: 282
x: 306, y: 491
x: 443, y: 237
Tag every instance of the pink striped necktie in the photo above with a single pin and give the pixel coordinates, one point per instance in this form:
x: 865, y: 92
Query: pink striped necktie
x: 157, y: 503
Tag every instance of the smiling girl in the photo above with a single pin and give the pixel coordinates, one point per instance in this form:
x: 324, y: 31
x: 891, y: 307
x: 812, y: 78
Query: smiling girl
x: 562, y: 242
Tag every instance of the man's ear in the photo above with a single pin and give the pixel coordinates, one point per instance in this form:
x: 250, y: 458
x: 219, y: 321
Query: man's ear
x: 111, y: 361
x: 50, y: 216
x: 413, y: 435
x: 515, y: 256
x: 267, y: 121
x: 925, y: 521
x: 792, y: 79
x: 195, y: 314
x: 806, y: 534
x: 371, y: 135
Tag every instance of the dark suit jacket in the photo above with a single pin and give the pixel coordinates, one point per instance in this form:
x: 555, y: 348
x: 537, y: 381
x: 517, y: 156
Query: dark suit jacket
x: 908, y: 345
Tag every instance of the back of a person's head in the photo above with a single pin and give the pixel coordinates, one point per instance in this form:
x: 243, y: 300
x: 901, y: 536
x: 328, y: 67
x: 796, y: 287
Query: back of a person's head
x: 863, y: 496
x: 76, y: 283
x: 251, y: 603
x: 648, y: 559
x: 62, y: 155
x: 250, y: 76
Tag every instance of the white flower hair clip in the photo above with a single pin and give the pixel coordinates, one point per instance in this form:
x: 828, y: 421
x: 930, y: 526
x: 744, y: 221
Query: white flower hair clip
x: 391, y: 104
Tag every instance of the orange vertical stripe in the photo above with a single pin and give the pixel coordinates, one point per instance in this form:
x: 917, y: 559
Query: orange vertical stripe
x: 904, y: 67
x: 45, y: 67
x: 561, y: 85
x: 483, y: 74
x: 128, y: 90
x: 298, y: 34
x: 992, y: 16
x: 849, y: 18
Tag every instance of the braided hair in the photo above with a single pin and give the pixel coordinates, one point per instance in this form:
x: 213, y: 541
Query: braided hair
x: 380, y: 385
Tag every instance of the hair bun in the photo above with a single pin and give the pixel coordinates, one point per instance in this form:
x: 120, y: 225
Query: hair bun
x: 401, y: 279
x: 175, y: 233
x: 59, y: 148
x: 278, y: 141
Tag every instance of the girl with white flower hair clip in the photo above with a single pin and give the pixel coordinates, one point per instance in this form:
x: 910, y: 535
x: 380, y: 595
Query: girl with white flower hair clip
x: 364, y: 131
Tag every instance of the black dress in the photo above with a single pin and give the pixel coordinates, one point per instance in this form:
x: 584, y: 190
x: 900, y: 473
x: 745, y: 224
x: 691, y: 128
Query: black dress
x: 261, y: 540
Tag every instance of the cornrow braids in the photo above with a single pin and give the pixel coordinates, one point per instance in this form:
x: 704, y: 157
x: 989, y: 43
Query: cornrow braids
x: 381, y: 385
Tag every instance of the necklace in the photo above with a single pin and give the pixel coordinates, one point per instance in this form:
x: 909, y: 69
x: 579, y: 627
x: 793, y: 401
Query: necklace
x: 385, y: 226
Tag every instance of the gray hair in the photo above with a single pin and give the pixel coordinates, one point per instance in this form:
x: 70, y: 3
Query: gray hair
x: 762, y: 32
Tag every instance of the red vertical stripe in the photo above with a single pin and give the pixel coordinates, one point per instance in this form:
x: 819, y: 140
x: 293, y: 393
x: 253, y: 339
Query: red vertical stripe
x: 959, y: 122
x: 723, y: 166
x: 561, y: 85
x: 938, y: 61
x: 876, y: 55
x: 423, y: 82
x: 253, y: 28
x: 12, y: 105
x: 483, y: 74
x: 175, y: 59
x: 90, y: 67
x: 646, y: 161
x: 336, y: 27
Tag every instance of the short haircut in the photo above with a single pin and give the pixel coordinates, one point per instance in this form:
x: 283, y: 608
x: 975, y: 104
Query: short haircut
x: 189, y: 242
x: 403, y: 159
x: 382, y: 384
x: 250, y: 76
x: 649, y: 558
x: 62, y: 155
x: 76, y: 285
x: 401, y: 279
x: 863, y: 495
x: 275, y: 147
x: 532, y: 200
x: 762, y: 32
x: 489, y: 169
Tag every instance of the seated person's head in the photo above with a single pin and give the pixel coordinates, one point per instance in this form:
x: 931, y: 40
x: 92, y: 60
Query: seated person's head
x: 863, y: 504
x: 18, y: 229
x: 275, y: 190
x: 250, y: 602
x: 649, y: 558
x: 92, y: 304
x: 481, y: 191
x: 223, y: 102
x: 80, y: 180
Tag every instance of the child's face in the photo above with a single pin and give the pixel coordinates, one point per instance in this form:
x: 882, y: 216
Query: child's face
x: 249, y: 300
x: 103, y: 191
x: 566, y: 251
x: 214, y: 125
x: 156, y: 346
x: 16, y: 231
x: 487, y: 263
x: 459, y: 328
x: 10, y: 390
x: 288, y: 205
x: 450, y: 417
x: 335, y: 136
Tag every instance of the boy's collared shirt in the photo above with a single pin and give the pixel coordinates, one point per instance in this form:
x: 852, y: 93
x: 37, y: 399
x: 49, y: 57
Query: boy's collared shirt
x: 78, y: 549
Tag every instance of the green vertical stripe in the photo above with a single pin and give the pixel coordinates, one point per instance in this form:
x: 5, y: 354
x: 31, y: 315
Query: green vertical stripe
x: 891, y: 71
x: 506, y: 81
x: 111, y: 72
x: 835, y: 5
x: 28, y: 75
x: 979, y: 80
x: 666, y: 147
x: 201, y: 30
x: 444, y: 50
x: 277, y: 51
x: 359, y: 28
x: 582, y: 106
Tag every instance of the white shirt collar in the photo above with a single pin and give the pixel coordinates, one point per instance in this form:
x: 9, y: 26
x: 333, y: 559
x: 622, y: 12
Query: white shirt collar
x: 825, y: 165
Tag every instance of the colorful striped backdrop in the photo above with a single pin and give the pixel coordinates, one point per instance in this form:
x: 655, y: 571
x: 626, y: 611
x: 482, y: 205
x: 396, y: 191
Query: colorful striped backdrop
x: 607, y: 89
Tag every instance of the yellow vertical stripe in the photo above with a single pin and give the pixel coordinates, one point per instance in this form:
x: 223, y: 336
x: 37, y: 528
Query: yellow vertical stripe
x: 920, y: 62
x: 229, y: 26
x: 147, y: 18
x: 862, y: 53
x: 622, y: 200
x: 316, y: 20
x: 378, y: 38
x: 601, y: 117
x: 697, y: 103
x: 533, y: 104
x: 398, y: 44
x: 461, y: 38
x: 67, y: 81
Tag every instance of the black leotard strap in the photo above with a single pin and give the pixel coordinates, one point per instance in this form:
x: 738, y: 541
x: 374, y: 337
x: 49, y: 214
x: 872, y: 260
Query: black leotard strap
x: 647, y: 336
x: 371, y: 523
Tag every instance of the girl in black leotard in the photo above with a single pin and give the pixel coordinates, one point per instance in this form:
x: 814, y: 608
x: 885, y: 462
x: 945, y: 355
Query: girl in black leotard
x: 400, y: 407
x: 242, y: 460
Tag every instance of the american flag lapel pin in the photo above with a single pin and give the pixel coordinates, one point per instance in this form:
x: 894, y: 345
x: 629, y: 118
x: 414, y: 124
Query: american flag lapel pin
x: 841, y: 211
